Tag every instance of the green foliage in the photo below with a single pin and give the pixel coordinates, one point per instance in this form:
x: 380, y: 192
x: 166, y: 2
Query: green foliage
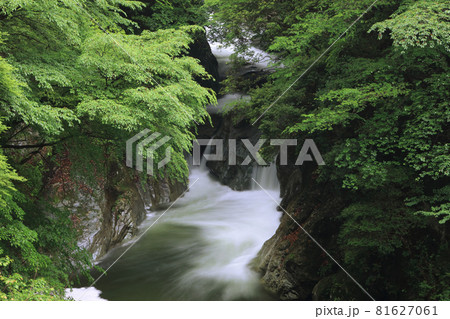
x: 440, y: 207
x: 377, y: 106
x: 422, y: 24
x: 15, y: 237
x: 16, y: 288
x: 372, y: 228
x: 32, y: 238
x: 75, y: 77
x: 164, y: 14
x: 81, y: 73
x: 156, y: 90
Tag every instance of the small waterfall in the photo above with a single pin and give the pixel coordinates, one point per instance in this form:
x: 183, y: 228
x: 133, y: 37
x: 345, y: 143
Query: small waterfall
x: 266, y: 176
x: 207, y: 151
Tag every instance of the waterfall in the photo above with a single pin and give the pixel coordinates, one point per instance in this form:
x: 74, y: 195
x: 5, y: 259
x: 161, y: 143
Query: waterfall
x: 207, y: 151
x: 266, y: 176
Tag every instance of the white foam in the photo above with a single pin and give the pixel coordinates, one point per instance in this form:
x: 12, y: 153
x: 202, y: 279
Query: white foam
x: 234, y: 224
x: 84, y: 294
x: 227, y: 229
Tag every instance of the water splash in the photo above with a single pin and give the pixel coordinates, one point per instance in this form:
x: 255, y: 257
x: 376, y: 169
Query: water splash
x: 84, y: 294
x: 199, y: 250
x: 266, y: 176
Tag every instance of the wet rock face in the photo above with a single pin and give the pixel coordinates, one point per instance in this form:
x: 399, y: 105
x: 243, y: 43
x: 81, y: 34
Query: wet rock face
x: 201, y: 50
x: 290, y: 261
x: 237, y: 177
x: 111, y: 209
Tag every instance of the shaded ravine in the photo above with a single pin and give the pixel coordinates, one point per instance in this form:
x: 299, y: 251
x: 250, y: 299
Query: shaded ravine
x: 199, y: 250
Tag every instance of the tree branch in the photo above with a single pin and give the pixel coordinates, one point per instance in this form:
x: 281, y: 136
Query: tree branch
x: 40, y: 145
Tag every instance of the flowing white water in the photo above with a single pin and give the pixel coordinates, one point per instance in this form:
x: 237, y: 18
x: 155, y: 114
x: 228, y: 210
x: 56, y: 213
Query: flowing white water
x: 223, y: 103
x: 199, y: 250
x: 258, y: 58
x: 223, y: 55
x: 86, y: 294
x: 234, y: 225
x: 266, y: 177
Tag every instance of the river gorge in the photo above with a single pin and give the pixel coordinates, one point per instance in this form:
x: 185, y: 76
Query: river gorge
x: 202, y: 246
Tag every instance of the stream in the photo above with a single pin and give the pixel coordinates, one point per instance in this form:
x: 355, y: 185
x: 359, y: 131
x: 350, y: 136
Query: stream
x: 202, y: 248
x: 199, y: 250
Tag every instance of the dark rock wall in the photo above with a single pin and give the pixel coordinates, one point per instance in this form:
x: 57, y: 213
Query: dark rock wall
x: 110, y: 209
x: 201, y: 50
x: 237, y: 177
x: 290, y: 261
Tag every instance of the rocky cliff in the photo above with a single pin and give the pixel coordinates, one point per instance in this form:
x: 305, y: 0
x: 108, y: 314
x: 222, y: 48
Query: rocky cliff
x: 291, y: 265
x: 237, y: 177
x: 201, y: 50
x: 107, y: 202
x: 290, y: 261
